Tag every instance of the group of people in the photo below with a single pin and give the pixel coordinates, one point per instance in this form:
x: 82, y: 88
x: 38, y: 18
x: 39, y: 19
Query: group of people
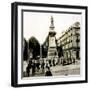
x: 34, y: 66
x: 67, y: 61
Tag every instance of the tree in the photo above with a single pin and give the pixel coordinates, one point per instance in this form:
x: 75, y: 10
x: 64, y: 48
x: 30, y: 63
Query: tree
x: 34, y: 47
x: 45, y: 47
x: 25, y: 49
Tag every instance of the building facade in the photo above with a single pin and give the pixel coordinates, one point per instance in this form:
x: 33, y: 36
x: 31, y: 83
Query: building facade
x: 70, y: 42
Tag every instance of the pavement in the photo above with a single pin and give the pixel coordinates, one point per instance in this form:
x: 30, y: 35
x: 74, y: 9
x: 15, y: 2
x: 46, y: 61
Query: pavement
x: 59, y: 70
x: 73, y: 69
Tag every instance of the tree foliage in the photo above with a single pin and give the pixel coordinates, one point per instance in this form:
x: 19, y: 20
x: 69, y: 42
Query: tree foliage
x: 34, y: 47
x: 25, y: 50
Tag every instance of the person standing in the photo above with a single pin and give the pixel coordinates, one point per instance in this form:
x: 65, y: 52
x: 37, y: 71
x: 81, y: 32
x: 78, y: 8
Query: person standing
x: 53, y: 62
x: 43, y: 64
x: 48, y: 72
x: 33, y: 67
x: 24, y: 68
x: 50, y: 63
x: 38, y: 65
x: 28, y: 68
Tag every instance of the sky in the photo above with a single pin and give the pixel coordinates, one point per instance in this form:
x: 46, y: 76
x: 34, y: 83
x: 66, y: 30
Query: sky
x: 37, y: 24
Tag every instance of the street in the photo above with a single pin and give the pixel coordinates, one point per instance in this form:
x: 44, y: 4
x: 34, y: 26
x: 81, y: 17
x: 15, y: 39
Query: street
x: 59, y: 70
x: 66, y: 70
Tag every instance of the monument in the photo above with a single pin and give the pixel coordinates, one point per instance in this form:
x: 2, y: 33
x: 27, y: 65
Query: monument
x: 52, y: 48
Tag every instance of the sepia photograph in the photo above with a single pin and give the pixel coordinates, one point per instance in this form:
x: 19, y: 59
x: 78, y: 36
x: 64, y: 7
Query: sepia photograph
x: 49, y: 44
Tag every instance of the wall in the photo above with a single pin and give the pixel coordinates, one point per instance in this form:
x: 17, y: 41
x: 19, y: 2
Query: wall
x: 5, y: 46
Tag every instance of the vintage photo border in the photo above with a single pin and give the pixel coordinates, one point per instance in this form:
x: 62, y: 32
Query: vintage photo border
x: 14, y: 42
